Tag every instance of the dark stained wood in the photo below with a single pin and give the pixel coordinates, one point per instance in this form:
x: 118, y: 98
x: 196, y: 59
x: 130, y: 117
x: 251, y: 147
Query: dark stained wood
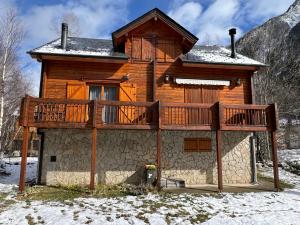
x: 79, y: 58
x: 24, y: 159
x: 218, y: 66
x: 158, y: 147
x: 154, y: 69
x: 55, y: 113
x: 275, y: 160
x: 219, y: 159
x: 93, y: 158
x: 197, y: 144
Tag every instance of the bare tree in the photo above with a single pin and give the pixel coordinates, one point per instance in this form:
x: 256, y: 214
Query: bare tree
x: 12, y: 83
x: 69, y: 18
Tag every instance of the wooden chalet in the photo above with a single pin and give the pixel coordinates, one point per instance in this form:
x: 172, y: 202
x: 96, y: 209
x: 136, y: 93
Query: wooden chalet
x: 148, y: 95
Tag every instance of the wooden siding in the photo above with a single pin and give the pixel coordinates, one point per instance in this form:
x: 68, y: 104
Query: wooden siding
x: 228, y: 95
x: 58, y: 73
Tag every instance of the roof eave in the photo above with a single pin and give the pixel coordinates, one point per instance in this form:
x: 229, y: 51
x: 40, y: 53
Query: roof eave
x: 39, y: 56
x: 236, y: 65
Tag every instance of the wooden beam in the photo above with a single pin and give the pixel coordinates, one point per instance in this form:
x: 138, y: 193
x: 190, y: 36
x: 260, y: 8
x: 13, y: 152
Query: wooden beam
x: 24, y: 159
x: 94, y: 145
x: 275, y: 160
x: 79, y: 58
x: 158, y: 148
x: 154, y: 70
x: 219, y: 120
x: 219, y: 159
x: 93, y: 158
x: 220, y: 66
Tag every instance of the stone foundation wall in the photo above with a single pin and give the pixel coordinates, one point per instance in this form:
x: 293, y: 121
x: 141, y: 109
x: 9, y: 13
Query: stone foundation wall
x: 122, y: 154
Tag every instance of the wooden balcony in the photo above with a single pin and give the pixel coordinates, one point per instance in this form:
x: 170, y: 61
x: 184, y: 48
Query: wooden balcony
x: 62, y: 113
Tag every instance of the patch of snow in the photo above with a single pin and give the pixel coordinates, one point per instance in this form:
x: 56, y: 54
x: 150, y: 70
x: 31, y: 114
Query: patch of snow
x: 209, y: 209
x: 292, y: 16
x: 12, y: 166
x: 216, y: 54
x: 80, y: 46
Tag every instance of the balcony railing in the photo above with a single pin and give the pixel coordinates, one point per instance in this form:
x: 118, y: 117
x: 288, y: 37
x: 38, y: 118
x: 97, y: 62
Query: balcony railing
x: 63, y: 113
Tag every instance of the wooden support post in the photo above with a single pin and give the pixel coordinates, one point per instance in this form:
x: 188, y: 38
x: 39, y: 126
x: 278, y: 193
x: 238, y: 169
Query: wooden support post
x: 275, y: 160
x: 24, y: 159
x: 219, y: 159
x: 94, y: 146
x: 24, y: 123
x: 93, y: 158
x: 219, y: 146
x: 158, y: 148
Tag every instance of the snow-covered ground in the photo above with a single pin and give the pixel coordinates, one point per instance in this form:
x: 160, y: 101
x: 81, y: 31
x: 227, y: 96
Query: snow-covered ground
x: 210, y: 209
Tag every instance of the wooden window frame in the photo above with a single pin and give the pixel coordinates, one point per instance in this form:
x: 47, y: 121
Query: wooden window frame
x: 102, y: 85
x: 199, y: 145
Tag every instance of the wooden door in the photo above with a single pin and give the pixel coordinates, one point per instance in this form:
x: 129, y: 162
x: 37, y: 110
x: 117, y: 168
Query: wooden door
x: 200, y: 94
x: 77, y: 112
x: 127, y: 92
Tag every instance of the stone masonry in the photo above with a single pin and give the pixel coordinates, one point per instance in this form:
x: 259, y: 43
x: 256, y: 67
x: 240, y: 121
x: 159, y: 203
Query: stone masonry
x: 122, y: 154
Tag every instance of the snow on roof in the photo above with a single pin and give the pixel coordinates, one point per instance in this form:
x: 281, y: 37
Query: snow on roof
x: 217, y: 55
x: 80, y: 46
x: 104, y: 48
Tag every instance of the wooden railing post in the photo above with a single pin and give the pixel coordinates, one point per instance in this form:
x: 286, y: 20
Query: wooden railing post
x: 274, y: 126
x: 94, y: 145
x: 24, y: 116
x: 219, y: 120
x: 158, y: 146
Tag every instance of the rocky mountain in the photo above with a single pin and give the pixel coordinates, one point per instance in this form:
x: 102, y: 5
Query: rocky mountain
x: 277, y: 44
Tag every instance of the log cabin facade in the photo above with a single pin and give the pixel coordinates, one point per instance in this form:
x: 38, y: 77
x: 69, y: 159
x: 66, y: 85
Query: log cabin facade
x: 149, y: 95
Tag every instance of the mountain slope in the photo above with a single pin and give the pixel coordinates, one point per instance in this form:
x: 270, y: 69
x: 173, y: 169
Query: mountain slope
x: 277, y: 43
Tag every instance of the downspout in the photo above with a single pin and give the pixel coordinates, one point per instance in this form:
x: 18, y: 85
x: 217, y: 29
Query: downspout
x: 154, y: 70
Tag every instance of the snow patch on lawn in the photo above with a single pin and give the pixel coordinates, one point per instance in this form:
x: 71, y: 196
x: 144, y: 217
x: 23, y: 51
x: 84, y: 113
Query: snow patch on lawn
x: 208, y: 209
x: 12, y: 167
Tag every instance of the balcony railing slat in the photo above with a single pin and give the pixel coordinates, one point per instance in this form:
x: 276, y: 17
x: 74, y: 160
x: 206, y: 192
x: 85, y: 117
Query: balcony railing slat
x: 113, y: 114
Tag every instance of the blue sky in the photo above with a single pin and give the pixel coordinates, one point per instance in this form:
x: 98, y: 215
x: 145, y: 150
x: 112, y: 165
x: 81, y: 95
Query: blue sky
x: 209, y: 20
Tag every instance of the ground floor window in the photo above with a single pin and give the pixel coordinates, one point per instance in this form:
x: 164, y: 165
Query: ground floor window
x: 197, y: 144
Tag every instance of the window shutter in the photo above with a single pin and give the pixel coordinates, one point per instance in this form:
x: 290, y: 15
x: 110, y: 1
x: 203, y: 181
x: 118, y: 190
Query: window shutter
x: 127, y: 93
x: 77, y: 113
x: 76, y: 90
x: 197, y: 144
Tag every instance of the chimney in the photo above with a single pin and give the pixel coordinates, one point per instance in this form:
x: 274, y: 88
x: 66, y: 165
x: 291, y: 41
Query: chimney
x: 232, y: 33
x: 64, y: 35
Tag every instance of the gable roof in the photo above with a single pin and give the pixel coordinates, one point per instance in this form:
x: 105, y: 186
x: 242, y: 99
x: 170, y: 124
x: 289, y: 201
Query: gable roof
x: 154, y: 13
x: 76, y: 46
x: 103, y: 48
x: 217, y: 55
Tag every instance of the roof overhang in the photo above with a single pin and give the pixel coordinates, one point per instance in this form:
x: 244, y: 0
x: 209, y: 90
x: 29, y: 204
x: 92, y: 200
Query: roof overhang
x: 222, y: 65
x: 79, y: 58
x: 156, y: 14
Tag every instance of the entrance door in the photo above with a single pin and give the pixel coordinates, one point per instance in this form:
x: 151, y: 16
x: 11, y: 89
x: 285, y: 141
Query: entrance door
x: 200, y: 94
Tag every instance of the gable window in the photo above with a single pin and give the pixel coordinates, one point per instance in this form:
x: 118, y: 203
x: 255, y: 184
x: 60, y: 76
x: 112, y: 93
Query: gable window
x: 197, y: 145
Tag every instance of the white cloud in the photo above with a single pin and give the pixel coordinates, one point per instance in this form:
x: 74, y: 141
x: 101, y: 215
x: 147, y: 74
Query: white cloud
x: 264, y: 9
x: 212, y: 22
x: 97, y: 19
x: 187, y: 14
